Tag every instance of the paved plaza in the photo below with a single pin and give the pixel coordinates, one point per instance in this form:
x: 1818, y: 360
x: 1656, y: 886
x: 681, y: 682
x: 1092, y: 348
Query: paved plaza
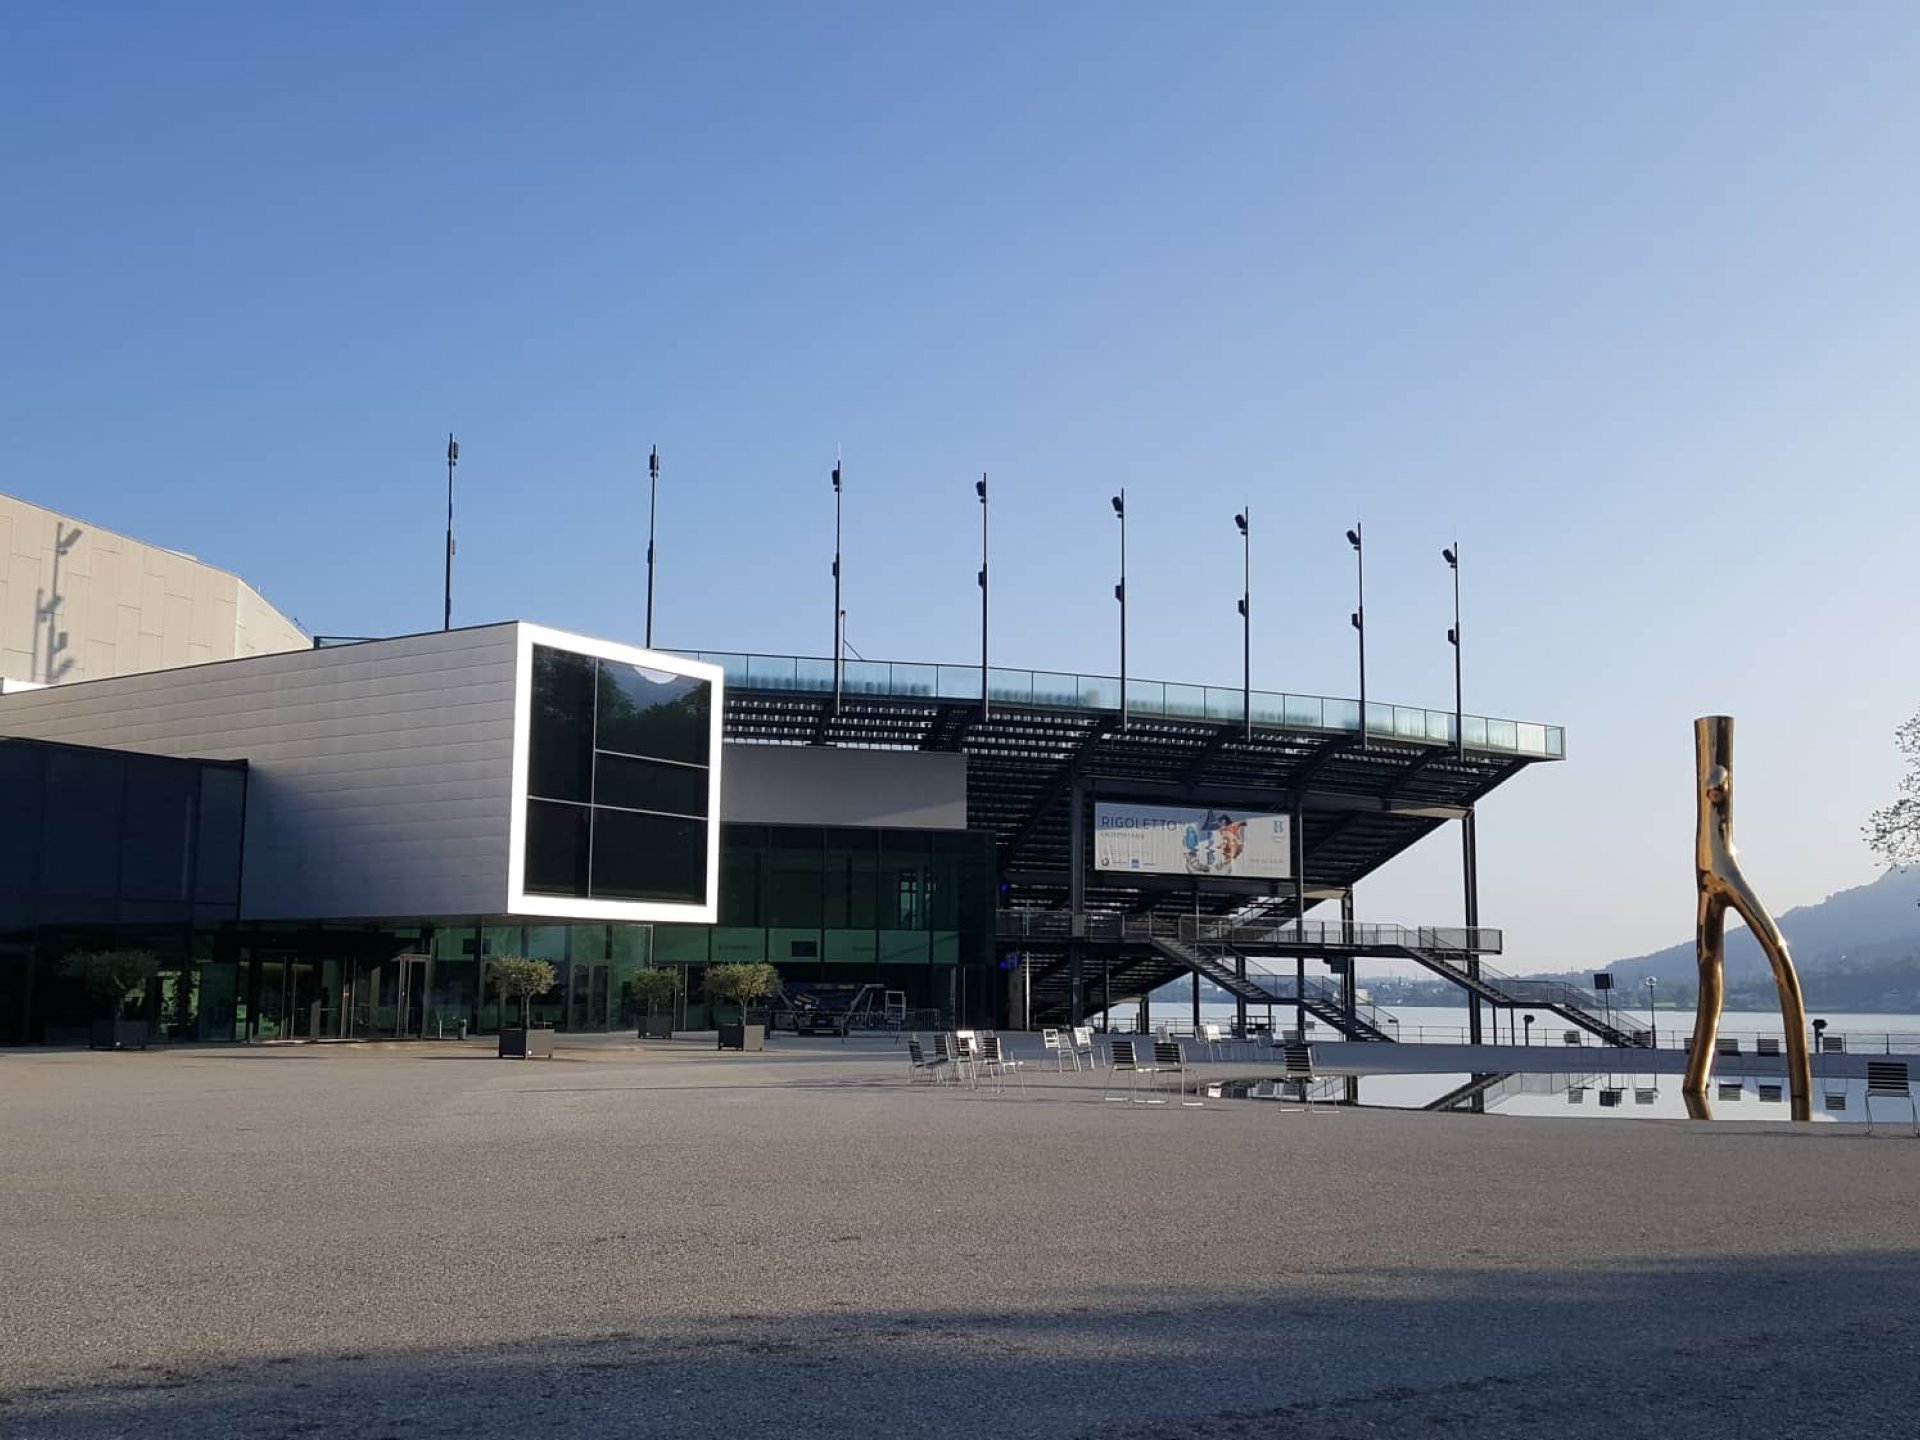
x: 392, y: 1242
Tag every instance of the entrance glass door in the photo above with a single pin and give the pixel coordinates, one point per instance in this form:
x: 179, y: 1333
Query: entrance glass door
x: 389, y: 999
x: 591, y: 985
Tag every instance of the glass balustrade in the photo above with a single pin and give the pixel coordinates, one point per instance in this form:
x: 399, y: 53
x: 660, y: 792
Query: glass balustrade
x: 1213, y: 704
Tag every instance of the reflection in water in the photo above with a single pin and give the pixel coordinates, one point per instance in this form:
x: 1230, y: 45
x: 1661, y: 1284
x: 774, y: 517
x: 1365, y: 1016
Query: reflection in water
x: 1609, y: 1096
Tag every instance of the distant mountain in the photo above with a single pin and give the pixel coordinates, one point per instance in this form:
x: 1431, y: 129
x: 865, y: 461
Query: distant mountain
x: 1856, y: 949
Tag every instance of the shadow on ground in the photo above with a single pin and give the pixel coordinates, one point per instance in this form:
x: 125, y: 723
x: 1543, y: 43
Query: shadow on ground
x: 1789, y: 1347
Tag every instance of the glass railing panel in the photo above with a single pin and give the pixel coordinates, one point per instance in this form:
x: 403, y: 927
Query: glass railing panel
x: 1409, y: 723
x: 1309, y: 711
x: 1379, y: 718
x: 809, y: 674
x: 1049, y: 687
x: 1502, y: 735
x: 777, y: 672
x: 1225, y: 704
x: 909, y: 679
x: 1440, y: 726
x: 1189, y: 701
x: 734, y: 669
x: 1097, y: 692
x: 1533, y: 738
x: 1269, y: 708
x: 1476, y: 728
x: 1012, y: 685
x: 1149, y: 697
x: 1556, y: 742
x: 865, y: 677
x: 957, y: 682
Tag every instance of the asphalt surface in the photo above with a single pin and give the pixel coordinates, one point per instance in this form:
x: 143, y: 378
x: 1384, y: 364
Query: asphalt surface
x: 368, y: 1243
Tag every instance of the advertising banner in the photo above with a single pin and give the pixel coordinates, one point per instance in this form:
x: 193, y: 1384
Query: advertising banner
x: 1177, y: 840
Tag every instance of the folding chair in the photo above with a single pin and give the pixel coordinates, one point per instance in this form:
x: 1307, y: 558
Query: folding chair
x: 1169, y: 1059
x: 994, y: 1062
x: 1888, y: 1080
x: 1296, y: 1067
x: 1122, y: 1061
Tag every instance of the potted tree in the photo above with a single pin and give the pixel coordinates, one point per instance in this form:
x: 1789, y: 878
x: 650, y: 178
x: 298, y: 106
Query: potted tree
x: 117, y: 980
x: 656, y: 990
x: 741, y: 985
x: 517, y: 978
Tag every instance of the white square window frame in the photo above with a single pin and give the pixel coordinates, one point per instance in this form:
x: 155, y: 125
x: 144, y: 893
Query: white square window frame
x: 570, y: 907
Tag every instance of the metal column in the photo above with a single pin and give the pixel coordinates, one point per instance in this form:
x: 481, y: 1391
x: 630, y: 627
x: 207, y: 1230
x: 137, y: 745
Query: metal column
x: 1470, y: 884
x: 1077, y: 904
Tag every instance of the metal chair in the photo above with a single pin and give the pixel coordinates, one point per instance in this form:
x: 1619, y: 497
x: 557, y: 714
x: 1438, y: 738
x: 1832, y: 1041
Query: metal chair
x: 1727, y: 1045
x: 996, y: 1066
x: 966, y: 1055
x: 1123, y: 1061
x: 1212, y: 1036
x: 1888, y: 1080
x: 1296, y: 1067
x: 1170, y: 1059
x: 933, y: 1070
x: 1766, y: 1045
x: 1570, y: 1037
x: 1052, y: 1042
x: 1082, y: 1046
x: 947, y: 1051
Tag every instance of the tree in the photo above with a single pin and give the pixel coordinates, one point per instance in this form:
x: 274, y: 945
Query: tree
x: 517, y: 978
x: 112, y: 976
x: 742, y: 984
x: 654, y: 988
x: 1895, y: 831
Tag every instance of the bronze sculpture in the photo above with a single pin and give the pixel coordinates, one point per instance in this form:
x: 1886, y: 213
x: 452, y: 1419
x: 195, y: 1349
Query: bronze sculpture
x: 1723, y: 886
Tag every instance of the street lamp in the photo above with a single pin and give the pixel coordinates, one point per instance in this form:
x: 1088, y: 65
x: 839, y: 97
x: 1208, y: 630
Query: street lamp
x: 1356, y: 537
x: 1653, y: 1017
x: 1120, y: 594
x: 1451, y: 554
x: 1527, y: 1020
x: 980, y: 489
x: 1243, y: 522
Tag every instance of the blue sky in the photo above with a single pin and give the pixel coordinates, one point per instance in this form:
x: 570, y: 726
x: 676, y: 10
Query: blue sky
x: 1622, y: 296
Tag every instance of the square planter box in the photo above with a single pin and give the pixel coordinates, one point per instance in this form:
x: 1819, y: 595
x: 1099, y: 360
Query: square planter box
x: 119, y: 1035
x: 657, y: 1027
x: 743, y: 1037
x: 519, y: 1044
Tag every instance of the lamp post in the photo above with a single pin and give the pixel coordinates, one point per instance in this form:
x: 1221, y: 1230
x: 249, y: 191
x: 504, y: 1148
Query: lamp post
x: 653, y: 507
x: 1356, y: 537
x: 453, y: 459
x: 1527, y: 1020
x: 1452, y: 556
x: 1120, y: 594
x: 980, y: 489
x: 1244, y: 521
x: 839, y: 615
x: 1653, y: 1015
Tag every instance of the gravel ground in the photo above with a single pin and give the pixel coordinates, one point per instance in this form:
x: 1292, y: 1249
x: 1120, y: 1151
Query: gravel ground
x: 420, y: 1242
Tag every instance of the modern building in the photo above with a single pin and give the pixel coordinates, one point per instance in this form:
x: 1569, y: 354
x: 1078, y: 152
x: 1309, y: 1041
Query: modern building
x: 81, y: 603
x: 335, y: 840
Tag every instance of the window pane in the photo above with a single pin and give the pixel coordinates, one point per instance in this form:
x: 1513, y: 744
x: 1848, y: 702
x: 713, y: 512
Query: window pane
x: 648, y: 857
x: 850, y: 879
x: 793, y: 876
x: 635, y: 784
x: 21, y: 771
x: 649, y: 712
x: 556, y: 848
x: 216, y: 873
x: 156, y: 835
x: 742, y: 868
x: 82, y: 824
x: 560, y: 729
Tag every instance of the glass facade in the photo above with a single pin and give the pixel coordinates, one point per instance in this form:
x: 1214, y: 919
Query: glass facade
x: 617, y: 780
x: 100, y: 849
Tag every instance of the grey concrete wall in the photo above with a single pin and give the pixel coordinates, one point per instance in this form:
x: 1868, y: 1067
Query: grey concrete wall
x: 818, y: 785
x: 81, y: 603
x: 382, y: 773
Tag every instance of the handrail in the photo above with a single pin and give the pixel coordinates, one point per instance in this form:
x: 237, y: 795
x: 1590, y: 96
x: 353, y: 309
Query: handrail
x: 1242, y: 934
x: 1049, y: 689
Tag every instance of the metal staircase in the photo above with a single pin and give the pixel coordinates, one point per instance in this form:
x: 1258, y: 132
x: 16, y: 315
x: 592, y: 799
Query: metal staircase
x: 1216, y: 965
x: 1569, y: 1002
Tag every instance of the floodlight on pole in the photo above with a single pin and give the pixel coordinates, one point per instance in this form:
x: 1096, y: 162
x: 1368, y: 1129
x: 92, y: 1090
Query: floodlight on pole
x: 453, y: 459
x: 839, y: 614
x: 1244, y: 522
x: 980, y: 489
x: 1120, y: 594
x: 1356, y: 537
x: 653, y: 508
x: 1451, y: 554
